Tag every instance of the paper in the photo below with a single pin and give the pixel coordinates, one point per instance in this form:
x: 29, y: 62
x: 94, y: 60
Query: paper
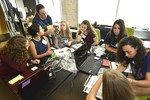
x: 49, y: 27
x: 89, y: 84
x: 34, y: 68
x: 14, y: 80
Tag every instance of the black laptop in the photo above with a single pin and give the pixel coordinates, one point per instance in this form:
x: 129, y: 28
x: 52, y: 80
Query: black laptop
x: 85, y: 61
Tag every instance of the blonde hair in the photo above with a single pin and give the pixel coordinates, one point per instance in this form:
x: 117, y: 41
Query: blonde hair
x: 116, y: 86
x: 67, y: 31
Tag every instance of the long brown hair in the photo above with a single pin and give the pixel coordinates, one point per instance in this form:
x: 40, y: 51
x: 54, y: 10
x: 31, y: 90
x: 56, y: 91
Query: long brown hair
x: 122, y: 33
x: 116, y: 86
x: 16, y: 49
x: 90, y: 29
x: 135, y: 43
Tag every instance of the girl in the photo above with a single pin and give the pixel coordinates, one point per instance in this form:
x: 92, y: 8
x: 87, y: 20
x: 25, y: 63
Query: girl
x: 39, y: 45
x: 87, y: 34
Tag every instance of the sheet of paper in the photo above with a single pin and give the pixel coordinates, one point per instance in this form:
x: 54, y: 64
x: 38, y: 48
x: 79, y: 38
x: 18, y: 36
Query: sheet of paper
x: 14, y: 80
x: 89, y: 84
x: 49, y: 27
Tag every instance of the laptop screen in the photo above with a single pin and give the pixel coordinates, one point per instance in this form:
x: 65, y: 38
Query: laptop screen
x: 81, y: 54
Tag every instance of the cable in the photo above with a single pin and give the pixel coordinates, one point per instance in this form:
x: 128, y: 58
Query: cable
x: 71, y: 87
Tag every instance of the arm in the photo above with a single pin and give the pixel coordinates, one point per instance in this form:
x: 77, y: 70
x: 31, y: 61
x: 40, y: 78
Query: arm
x: 49, y: 31
x: 121, y: 68
x: 49, y: 51
x: 141, y: 83
x: 56, y: 43
x: 95, y: 41
x: 110, y: 49
x: 78, y: 38
x: 92, y: 94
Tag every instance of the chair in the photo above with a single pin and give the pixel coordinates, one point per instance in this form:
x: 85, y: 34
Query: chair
x: 130, y: 31
x: 98, y: 35
x: 145, y: 97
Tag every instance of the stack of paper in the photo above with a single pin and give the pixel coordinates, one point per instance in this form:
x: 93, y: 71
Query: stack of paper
x: 89, y: 83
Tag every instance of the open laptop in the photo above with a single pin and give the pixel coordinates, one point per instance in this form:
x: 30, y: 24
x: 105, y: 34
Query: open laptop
x: 30, y: 78
x: 85, y: 61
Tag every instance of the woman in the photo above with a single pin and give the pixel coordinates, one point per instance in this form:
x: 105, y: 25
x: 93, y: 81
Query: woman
x: 87, y: 34
x: 64, y: 37
x: 112, y: 39
x: 39, y: 45
x: 115, y: 87
x: 14, y: 56
x: 131, y: 51
x: 44, y: 20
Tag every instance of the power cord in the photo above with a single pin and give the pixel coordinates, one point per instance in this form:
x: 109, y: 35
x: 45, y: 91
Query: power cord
x: 71, y: 88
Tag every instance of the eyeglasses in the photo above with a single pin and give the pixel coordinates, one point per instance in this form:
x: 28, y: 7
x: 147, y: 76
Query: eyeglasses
x: 44, y: 13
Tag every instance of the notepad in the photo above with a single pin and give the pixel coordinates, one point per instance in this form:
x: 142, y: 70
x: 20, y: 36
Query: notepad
x: 49, y: 27
x: 14, y: 80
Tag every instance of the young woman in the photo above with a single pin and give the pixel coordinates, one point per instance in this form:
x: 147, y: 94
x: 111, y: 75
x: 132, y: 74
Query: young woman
x: 39, y: 45
x: 14, y: 56
x: 44, y: 20
x: 131, y: 51
x: 64, y: 37
x: 115, y: 87
x: 112, y: 39
x: 87, y: 34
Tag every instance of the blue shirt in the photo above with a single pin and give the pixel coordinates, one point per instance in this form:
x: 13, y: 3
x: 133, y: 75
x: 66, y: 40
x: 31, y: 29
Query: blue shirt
x: 43, y: 23
x: 140, y: 73
x: 40, y: 46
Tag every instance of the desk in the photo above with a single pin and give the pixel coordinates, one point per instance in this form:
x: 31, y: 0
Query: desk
x: 66, y: 86
x: 45, y: 87
x: 71, y: 89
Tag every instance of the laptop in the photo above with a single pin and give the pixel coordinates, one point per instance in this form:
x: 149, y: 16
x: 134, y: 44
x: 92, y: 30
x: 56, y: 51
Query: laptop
x: 85, y: 61
x: 30, y: 78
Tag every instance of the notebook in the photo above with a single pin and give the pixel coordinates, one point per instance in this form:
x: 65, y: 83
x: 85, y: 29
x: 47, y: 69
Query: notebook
x: 85, y: 61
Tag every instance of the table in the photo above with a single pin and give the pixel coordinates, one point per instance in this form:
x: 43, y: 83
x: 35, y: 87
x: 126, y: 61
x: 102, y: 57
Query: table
x: 71, y: 89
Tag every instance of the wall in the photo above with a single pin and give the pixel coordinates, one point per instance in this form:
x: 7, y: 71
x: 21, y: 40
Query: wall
x: 69, y: 12
x: 3, y: 24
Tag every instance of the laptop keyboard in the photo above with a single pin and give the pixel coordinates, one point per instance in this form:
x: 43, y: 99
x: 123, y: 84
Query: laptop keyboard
x: 90, y: 65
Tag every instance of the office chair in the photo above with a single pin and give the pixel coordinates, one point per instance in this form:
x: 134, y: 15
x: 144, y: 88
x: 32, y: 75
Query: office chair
x: 130, y: 31
x: 144, y: 97
x: 98, y: 35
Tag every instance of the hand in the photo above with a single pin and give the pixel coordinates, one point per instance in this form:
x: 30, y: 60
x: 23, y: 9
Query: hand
x: 51, y: 30
x: 49, y: 52
x: 36, y: 61
x: 69, y: 43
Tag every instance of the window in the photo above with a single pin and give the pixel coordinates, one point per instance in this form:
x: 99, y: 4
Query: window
x: 53, y: 9
x: 102, y: 11
x: 135, y: 13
